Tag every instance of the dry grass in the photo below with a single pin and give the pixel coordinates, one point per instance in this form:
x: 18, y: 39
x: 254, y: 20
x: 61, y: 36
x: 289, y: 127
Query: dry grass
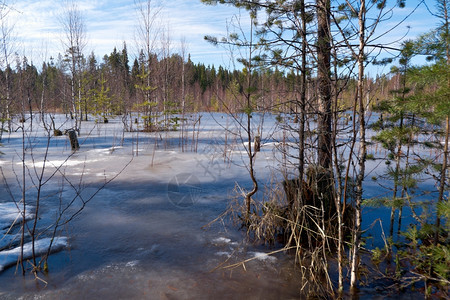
x: 303, y: 232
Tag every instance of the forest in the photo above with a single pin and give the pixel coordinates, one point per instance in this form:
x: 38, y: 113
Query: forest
x: 346, y: 142
x: 112, y: 88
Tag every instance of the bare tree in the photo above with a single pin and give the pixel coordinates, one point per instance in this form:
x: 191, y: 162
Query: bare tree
x: 147, y: 35
x: 7, y: 50
x: 74, y: 42
x: 165, y: 71
x: 183, y: 51
x: 362, y: 144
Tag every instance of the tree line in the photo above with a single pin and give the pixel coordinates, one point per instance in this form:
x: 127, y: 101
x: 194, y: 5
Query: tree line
x: 113, y: 86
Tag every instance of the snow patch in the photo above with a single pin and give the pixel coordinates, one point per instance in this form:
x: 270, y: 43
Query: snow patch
x: 10, y: 257
x: 10, y: 213
x: 104, y: 174
x: 221, y: 240
x: 249, y: 145
x: 59, y: 163
x: 263, y: 256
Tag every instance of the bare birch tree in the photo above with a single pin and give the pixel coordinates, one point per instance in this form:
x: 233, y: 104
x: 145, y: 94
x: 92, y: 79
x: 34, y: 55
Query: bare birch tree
x: 74, y: 42
x: 183, y: 52
x: 362, y: 144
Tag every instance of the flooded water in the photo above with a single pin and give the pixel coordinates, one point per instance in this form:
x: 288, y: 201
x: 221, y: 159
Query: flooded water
x: 143, y: 236
x: 131, y: 242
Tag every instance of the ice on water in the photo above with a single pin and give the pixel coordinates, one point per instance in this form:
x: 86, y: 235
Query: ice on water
x: 135, y: 223
x: 10, y: 257
x: 11, y: 213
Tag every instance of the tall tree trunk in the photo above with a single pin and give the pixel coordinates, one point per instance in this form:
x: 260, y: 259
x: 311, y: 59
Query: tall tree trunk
x: 302, y: 120
x: 362, y: 149
x: 183, y: 91
x: 324, y: 83
x: 338, y: 182
x: 24, y: 204
x: 74, y: 29
x: 73, y: 112
x: 8, y: 99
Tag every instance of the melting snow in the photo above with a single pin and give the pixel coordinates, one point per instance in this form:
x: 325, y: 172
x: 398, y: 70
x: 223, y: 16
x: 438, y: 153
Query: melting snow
x: 10, y: 214
x: 221, y: 240
x: 56, y: 163
x: 263, y: 256
x: 10, y: 257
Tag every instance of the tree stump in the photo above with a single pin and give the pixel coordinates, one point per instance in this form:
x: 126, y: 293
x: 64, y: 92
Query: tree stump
x: 257, y: 146
x: 73, y: 140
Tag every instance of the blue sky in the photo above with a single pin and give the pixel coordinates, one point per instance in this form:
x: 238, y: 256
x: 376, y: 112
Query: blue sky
x: 110, y: 23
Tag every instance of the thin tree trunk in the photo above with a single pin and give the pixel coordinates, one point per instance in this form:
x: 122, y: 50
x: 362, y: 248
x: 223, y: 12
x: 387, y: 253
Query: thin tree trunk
x: 362, y: 150
x: 80, y: 109
x: 8, y: 99
x: 396, y: 180
x: 339, y: 192
x: 22, y: 237
x: 405, y: 189
x: 183, y: 93
x: 301, y: 133
x: 251, y: 156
